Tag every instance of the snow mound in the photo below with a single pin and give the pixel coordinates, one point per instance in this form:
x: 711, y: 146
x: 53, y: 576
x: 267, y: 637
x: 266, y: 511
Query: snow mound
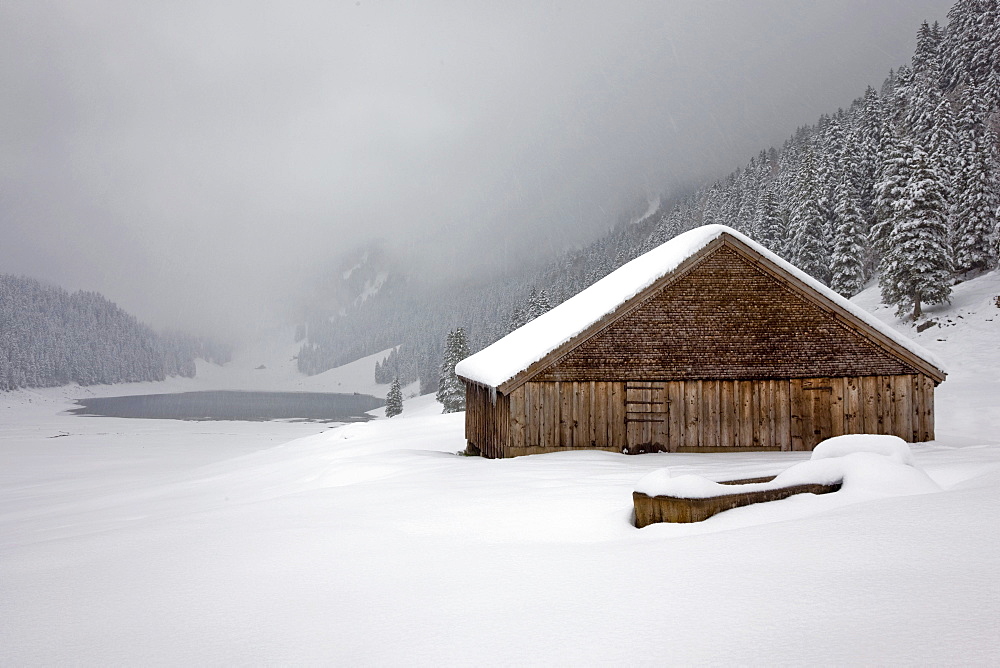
x: 866, y: 464
x: 890, y: 446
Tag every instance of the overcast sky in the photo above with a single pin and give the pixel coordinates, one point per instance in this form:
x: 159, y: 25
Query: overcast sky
x: 196, y: 161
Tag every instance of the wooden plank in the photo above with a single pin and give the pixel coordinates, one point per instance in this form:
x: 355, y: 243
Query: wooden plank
x: 886, y: 405
x: 503, y: 424
x: 617, y: 415
x: 609, y: 431
x: 781, y: 403
x: 714, y: 394
x: 661, y: 435
x: 644, y: 432
x: 880, y: 423
x: 654, y: 407
x: 705, y: 424
x: 771, y: 413
x: 692, y: 414
x: 797, y: 414
x: 579, y: 435
x: 591, y: 408
x: 869, y: 405
x: 470, y: 414
x: 902, y: 407
x: 928, y: 409
x: 530, y: 437
x: 581, y: 414
x: 744, y: 394
x: 550, y: 415
x: 728, y: 417
x: 527, y: 426
x: 820, y: 409
x: 600, y: 413
x: 517, y: 418
x: 564, y: 395
x: 838, y: 410
x: 538, y: 429
x: 757, y: 405
x: 852, y: 406
x: 675, y: 415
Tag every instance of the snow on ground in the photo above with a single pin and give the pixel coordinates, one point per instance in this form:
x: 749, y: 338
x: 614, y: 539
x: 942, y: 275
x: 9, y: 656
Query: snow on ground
x: 164, y: 542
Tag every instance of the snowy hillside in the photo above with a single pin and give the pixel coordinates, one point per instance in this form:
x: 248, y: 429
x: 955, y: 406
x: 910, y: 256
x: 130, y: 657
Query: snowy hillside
x: 142, y: 542
x: 966, y: 334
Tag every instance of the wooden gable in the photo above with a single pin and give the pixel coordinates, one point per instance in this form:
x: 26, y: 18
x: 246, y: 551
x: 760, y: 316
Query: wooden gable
x: 726, y: 313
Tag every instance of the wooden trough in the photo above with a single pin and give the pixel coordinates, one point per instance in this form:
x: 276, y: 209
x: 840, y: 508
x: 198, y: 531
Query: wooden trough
x: 653, y: 509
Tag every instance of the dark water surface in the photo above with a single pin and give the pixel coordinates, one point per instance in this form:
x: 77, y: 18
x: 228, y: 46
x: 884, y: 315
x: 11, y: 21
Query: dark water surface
x: 234, y: 405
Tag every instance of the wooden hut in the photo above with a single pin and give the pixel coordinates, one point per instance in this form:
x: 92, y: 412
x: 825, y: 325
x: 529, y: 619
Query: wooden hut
x: 708, y: 343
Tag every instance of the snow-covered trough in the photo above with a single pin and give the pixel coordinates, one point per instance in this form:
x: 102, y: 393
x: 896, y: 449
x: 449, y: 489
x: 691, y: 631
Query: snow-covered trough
x: 870, y: 459
x: 708, y: 343
x: 681, y: 509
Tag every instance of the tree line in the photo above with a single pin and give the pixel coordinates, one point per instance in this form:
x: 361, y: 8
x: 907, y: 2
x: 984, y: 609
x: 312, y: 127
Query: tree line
x: 50, y: 337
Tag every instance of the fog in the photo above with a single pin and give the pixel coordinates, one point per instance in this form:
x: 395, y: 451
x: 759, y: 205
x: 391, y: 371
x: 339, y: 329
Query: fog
x: 198, y: 162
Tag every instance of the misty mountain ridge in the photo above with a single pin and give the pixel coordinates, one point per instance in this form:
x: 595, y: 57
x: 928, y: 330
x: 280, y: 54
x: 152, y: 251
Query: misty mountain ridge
x: 905, y: 177
x: 350, y: 280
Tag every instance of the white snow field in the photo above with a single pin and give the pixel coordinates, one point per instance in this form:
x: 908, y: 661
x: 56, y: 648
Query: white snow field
x: 140, y: 542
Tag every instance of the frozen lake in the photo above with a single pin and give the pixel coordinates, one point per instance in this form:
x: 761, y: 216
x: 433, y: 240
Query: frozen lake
x: 235, y: 405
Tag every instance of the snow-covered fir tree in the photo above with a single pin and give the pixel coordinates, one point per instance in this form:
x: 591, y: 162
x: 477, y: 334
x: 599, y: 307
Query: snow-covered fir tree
x: 976, y: 191
x: 538, y: 303
x: 518, y: 317
x: 807, y: 228
x: 451, y: 390
x: 847, y: 261
x: 890, y: 190
x: 915, y: 270
x: 394, y: 400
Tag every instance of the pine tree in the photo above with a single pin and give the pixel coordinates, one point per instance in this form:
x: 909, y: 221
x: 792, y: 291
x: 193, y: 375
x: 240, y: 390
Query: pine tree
x: 915, y: 269
x: 666, y: 229
x: 394, y: 400
x: 847, y: 262
x: 538, y: 303
x: 517, y: 317
x: 888, y: 191
x: 976, y: 196
x: 769, y: 226
x: 807, y: 227
x: 451, y: 390
x: 872, y: 141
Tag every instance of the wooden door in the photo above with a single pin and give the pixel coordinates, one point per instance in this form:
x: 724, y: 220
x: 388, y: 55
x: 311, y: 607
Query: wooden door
x: 812, y: 412
x: 646, y: 426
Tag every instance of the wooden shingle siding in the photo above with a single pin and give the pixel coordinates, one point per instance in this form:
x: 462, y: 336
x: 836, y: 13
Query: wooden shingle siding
x: 727, y: 319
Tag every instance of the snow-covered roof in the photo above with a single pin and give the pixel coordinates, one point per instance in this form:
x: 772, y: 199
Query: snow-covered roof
x: 503, y: 360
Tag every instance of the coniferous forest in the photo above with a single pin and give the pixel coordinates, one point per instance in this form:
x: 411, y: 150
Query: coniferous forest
x: 50, y: 337
x: 902, y: 185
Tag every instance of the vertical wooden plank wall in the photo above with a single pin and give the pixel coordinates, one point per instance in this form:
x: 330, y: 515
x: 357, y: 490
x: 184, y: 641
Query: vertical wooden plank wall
x: 698, y: 415
x: 552, y: 416
x: 487, y: 421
